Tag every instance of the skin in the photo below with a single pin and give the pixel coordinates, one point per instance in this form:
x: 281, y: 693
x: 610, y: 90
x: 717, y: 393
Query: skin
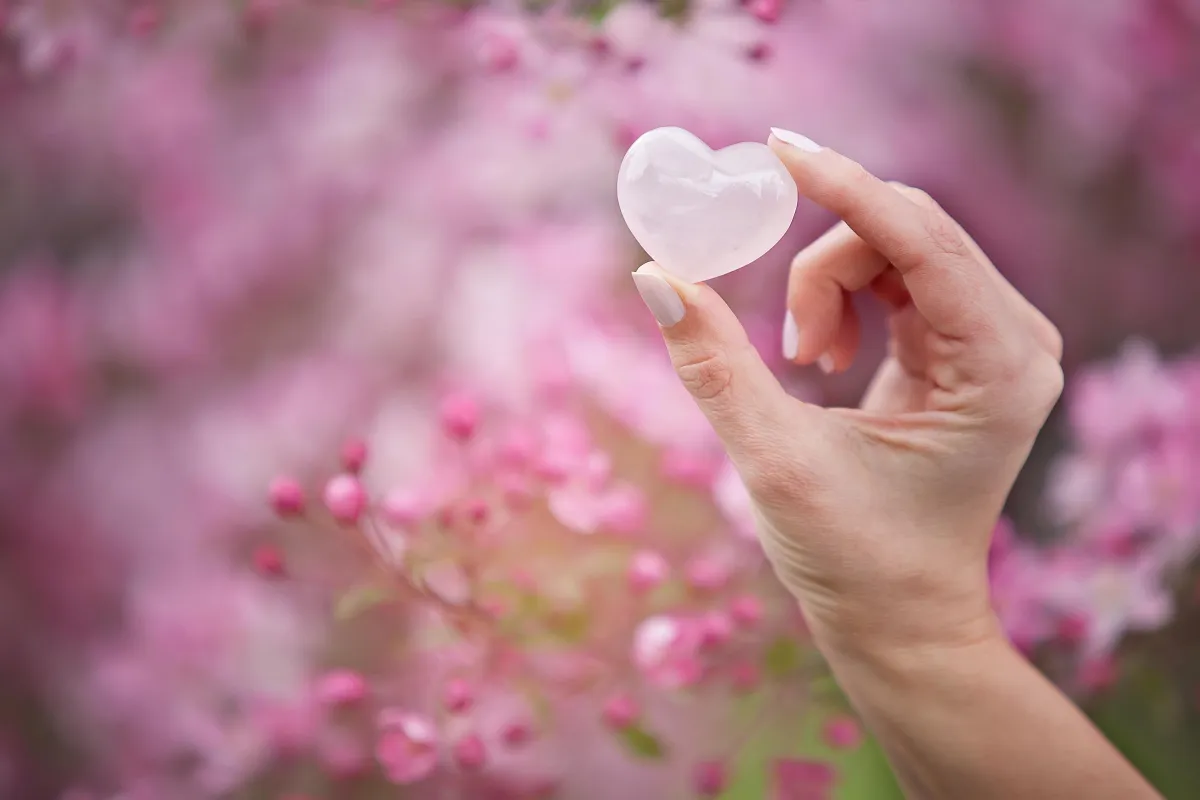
x: 878, y: 519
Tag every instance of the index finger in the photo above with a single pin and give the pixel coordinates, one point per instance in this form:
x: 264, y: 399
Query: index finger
x: 948, y: 285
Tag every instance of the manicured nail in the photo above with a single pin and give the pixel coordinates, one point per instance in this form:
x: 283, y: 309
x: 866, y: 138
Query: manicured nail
x: 659, y: 297
x: 796, y: 140
x: 791, y: 337
x: 826, y: 364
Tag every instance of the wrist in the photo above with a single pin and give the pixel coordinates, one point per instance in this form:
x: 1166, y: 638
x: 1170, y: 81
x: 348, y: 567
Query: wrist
x: 926, y: 613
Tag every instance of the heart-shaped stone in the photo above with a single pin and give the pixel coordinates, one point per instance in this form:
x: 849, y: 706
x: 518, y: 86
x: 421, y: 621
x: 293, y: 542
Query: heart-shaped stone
x: 700, y: 213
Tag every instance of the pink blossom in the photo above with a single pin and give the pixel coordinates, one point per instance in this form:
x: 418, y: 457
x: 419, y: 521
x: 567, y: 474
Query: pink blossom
x: 842, y: 733
x: 707, y: 573
x: 621, y: 711
x: 403, y: 507
x: 268, y: 561
x: 716, y: 628
x: 341, y: 687
x: 458, y: 695
x: 710, y: 778
x: 407, y: 746
x: 516, y: 733
x: 345, y: 498
x: 469, y: 752
x: 354, y: 455
x: 746, y: 610
x: 648, y: 570
x: 460, y: 416
x: 802, y: 779
x: 667, y: 651
x: 1111, y: 596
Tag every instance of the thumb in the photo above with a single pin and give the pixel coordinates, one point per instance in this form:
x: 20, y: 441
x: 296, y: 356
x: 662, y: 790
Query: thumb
x: 718, y: 365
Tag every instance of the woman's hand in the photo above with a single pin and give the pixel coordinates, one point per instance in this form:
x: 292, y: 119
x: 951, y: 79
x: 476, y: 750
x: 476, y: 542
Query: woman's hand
x: 878, y: 519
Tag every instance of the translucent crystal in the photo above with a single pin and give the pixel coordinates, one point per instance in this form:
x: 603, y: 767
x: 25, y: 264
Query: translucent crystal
x: 700, y: 213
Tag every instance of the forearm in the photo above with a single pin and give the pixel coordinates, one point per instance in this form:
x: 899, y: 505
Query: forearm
x: 977, y: 720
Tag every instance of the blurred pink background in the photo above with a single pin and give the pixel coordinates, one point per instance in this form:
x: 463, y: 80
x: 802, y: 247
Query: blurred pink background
x: 338, y: 458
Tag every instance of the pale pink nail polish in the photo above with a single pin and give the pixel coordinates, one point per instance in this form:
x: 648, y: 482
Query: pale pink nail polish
x: 659, y: 297
x: 791, y: 337
x: 825, y: 362
x: 796, y: 140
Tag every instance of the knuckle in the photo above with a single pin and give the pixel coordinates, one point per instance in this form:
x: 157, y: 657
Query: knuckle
x: 1054, y: 342
x: 918, y: 196
x: 1048, y: 382
x: 1033, y: 387
x: 706, y: 376
x: 944, y: 236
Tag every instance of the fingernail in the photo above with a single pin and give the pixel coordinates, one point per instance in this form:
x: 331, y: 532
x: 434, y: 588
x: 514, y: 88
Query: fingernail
x: 826, y: 364
x: 796, y: 140
x: 659, y: 297
x: 791, y: 337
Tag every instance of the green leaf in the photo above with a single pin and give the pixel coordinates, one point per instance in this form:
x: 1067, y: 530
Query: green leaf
x: 642, y: 743
x: 358, y: 599
x: 569, y: 625
x: 782, y: 657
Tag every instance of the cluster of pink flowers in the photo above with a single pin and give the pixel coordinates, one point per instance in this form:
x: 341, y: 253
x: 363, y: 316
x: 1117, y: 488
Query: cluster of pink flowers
x: 1126, y: 498
x: 551, y: 596
x: 234, y: 234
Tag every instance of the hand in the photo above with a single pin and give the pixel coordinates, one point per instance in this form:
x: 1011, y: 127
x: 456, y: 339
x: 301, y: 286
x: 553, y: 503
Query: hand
x: 878, y: 519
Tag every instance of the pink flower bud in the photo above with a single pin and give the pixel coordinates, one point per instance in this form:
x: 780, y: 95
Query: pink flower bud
x: 477, y: 511
x: 268, y: 561
x: 842, y: 733
x: 715, y: 630
x: 345, y: 498
x: 458, y: 695
x: 469, y: 753
x: 516, y: 733
x: 746, y: 611
x: 710, y: 778
x: 766, y: 10
x: 143, y: 20
x: 498, y: 53
x: 1073, y: 628
x: 460, y: 416
x: 800, y: 777
x: 621, y: 711
x: 759, y: 52
x: 354, y: 455
x: 745, y: 676
x: 286, y: 496
x: 707, y: 574
x: 648, y: 570
x: 599, y: 46
x: 341, y: 687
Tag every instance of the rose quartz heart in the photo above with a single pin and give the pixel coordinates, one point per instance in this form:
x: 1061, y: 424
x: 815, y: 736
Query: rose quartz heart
x: 700, y: 213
